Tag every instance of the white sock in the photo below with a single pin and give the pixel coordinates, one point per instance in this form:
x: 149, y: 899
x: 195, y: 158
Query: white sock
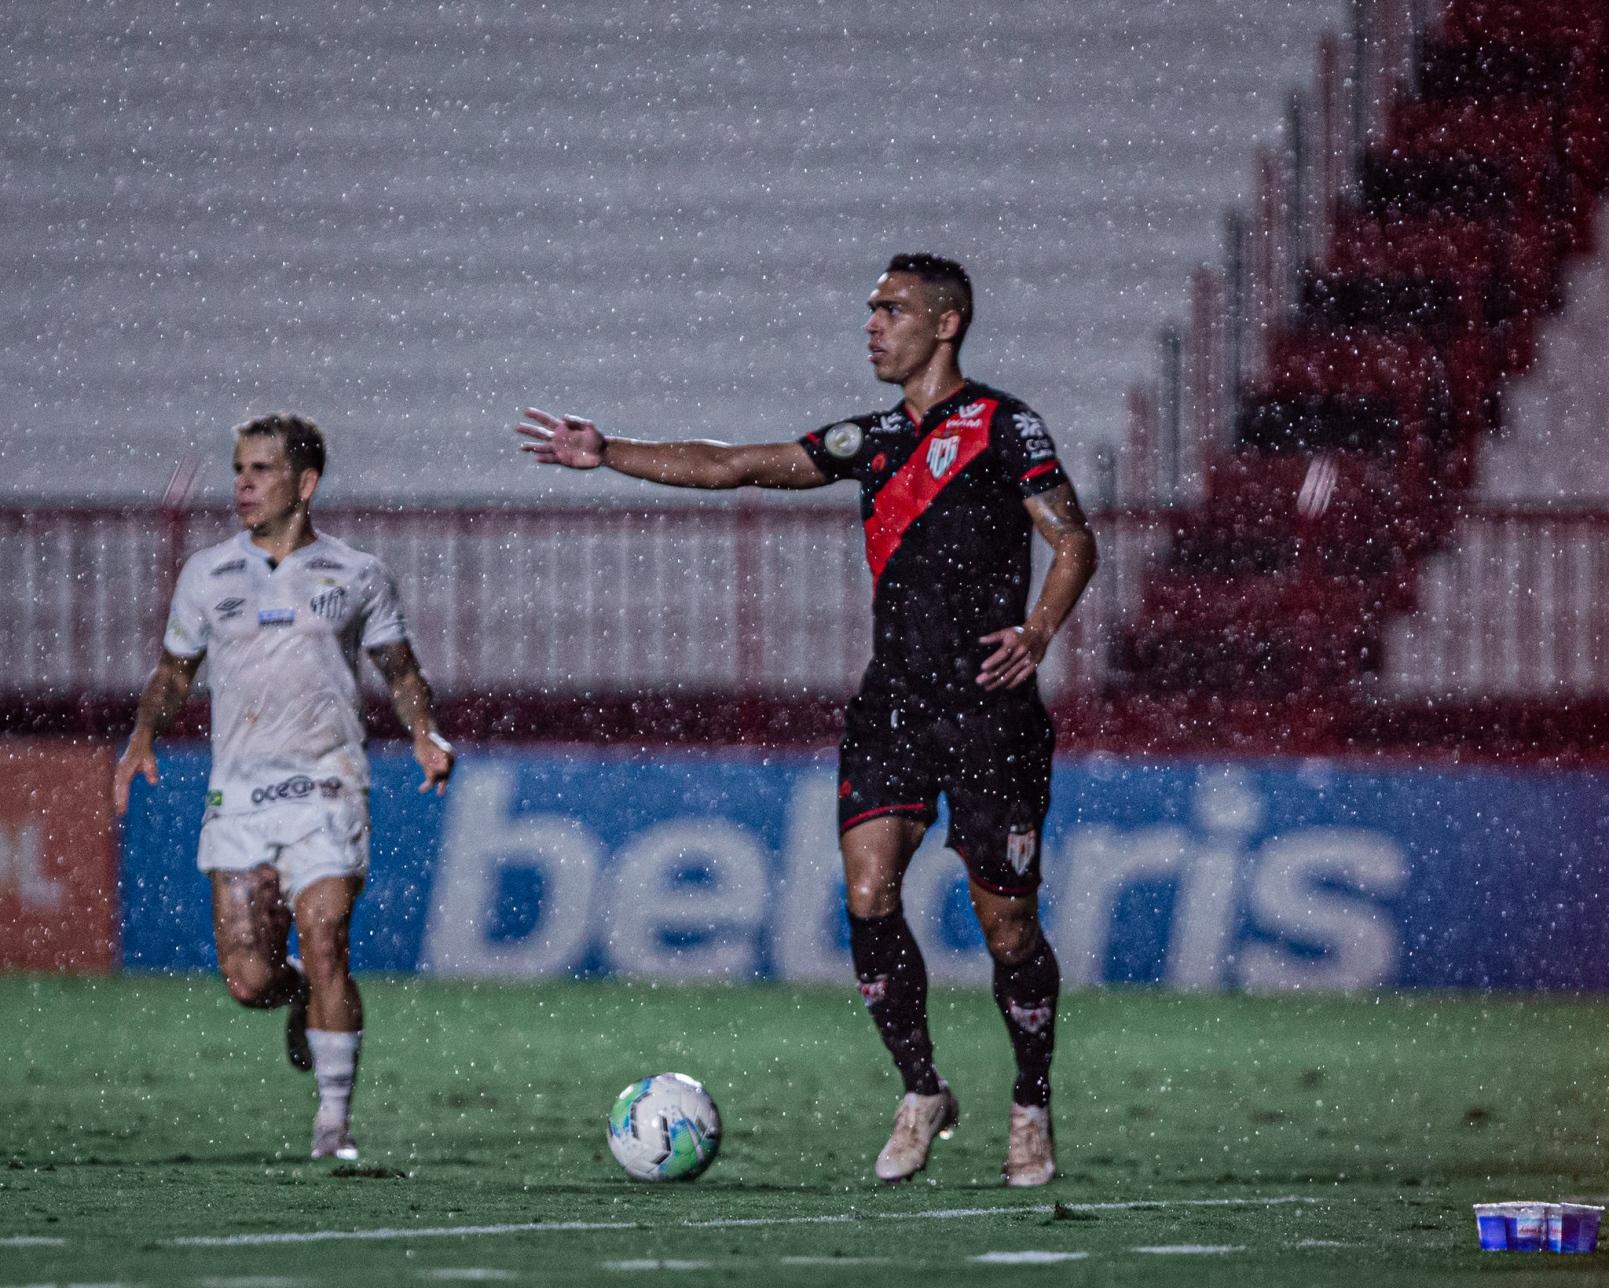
x: 335, y: 1066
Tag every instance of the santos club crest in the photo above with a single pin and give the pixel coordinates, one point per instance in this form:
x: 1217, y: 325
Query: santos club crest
x: 941, y: 453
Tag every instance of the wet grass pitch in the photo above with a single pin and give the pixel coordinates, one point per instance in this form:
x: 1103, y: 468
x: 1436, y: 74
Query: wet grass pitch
x: 151, y: 1132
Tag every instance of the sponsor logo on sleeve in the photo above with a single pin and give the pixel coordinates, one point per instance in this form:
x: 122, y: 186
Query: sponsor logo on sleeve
x: 891, y: 422
x: 844, y: 440
x: 1035, y: 437
x: 234, y: 565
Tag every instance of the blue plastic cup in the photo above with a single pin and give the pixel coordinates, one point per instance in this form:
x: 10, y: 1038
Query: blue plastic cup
x: 1573, y: 1227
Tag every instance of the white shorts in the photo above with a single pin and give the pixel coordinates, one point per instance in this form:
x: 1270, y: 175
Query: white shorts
x: 303, y: 841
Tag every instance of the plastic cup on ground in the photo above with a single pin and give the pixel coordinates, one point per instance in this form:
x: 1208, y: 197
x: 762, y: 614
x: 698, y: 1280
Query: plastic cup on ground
x: 1572, y: 1227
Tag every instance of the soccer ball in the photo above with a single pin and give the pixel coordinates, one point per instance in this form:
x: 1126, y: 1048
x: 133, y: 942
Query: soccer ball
x: 664, y: 1128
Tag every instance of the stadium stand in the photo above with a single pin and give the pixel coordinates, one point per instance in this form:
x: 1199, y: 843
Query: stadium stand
x: 1329, y: 556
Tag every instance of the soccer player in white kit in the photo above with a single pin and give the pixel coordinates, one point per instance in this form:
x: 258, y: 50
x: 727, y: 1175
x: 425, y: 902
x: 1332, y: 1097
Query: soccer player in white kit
x: 281, y: 612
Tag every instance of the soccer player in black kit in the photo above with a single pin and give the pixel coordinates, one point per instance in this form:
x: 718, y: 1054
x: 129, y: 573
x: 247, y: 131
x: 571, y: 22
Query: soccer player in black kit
x: 954, y: 480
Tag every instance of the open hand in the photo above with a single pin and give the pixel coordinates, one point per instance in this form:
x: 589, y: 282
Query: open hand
x: 1019, y: 651
x: 435, y: 756
x: 137, y: 758
x: 572, y: 441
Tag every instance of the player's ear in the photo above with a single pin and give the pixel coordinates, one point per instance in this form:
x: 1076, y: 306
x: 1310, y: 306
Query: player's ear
x: 949, y: 324
x: 307, y: 485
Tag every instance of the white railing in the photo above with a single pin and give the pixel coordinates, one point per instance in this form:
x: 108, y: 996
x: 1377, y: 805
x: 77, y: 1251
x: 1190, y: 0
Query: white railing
x: 1516, y: 607
x: 747, y: 601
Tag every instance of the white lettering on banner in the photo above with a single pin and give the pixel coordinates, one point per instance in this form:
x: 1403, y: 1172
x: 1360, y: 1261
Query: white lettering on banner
x: 702, y: 897
x: 22, y: 869
x: 1289, y: 897
x: 653, y: 907
x: 810, y: 906
x: 480, y: 841
x: 1102, y: 862
x: 933, y: 874
x: 1324, y: 938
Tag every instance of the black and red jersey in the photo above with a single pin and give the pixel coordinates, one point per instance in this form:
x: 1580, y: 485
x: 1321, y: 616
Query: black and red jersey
x: 947, y: 536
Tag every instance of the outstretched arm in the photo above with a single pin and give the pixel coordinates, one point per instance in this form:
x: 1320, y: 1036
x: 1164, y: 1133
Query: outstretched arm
x: 411, y: 700
x: 575, y: 442
x: 1060, y: 521
x: 163, y: 698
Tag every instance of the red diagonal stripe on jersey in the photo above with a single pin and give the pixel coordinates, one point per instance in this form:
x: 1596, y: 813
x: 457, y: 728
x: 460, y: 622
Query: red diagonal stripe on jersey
x: 906, y: 496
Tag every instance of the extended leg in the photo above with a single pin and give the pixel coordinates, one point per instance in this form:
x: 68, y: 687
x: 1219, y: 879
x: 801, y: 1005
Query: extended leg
x: 893, y: 982
x: 1026, y: 984
x: 251, y: 924
x: 335, y: 1009
x: 888, y: 962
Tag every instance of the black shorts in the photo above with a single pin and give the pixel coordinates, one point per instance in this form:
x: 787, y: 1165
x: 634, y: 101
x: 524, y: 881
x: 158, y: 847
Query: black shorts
x: 992, y: 761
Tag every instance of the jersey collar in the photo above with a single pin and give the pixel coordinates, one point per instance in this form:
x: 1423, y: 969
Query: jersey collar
x: 968, y: 392
x: 250, y: 547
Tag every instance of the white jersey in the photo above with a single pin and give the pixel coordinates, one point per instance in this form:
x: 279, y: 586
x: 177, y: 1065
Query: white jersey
x: 282, y: 646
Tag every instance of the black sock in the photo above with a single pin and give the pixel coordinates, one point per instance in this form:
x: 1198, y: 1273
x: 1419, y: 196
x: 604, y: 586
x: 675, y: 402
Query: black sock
x: 893, y: 981
x: 1026, y: 995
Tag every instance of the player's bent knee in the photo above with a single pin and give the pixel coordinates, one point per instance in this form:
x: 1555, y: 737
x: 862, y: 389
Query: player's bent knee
x: 1013, y: 943
x: 872, y: 900
x: 250, y: 983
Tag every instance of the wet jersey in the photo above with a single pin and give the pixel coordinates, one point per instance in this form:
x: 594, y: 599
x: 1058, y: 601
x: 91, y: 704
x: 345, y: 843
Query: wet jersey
x: 947, y: 536
x: 282, y: 645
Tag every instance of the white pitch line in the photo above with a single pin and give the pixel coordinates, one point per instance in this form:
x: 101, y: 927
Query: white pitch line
x: 833, y: 1261
x: 1028, y: 1258
x: 1191, y: 1249
x: 649, y: 1263
x: 31, y: 1241
x: 719, y: 1223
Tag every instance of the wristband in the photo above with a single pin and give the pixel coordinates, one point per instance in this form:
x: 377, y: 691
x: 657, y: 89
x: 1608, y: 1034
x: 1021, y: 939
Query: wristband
x: 441, y: 743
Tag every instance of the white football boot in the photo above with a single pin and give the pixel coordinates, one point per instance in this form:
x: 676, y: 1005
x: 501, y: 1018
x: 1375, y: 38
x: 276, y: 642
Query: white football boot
x: 916, y: 1122
x: 1031, y: 1153
x: 334, y: 1140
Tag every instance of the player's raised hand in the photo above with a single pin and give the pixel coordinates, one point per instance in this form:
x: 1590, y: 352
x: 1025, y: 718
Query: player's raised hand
x: 1017, y: 655
x: 572, y: 441
x: 137, y: 758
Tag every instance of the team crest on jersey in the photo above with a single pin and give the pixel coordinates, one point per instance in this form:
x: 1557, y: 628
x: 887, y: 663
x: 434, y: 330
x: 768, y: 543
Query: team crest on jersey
x: 1020, y: 847
x: 329, y: 604
x: 941, y: 454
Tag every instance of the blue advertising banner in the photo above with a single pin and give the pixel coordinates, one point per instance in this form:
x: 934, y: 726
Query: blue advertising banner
x: 723, y: 865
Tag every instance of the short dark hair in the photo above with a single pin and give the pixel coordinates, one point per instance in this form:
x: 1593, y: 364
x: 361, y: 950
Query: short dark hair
x: 302, y: 440
x: 947, y: 280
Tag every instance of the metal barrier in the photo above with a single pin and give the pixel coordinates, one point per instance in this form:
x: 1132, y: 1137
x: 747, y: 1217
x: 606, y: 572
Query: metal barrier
x: 746, y: 600
x: 1517, y: 606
